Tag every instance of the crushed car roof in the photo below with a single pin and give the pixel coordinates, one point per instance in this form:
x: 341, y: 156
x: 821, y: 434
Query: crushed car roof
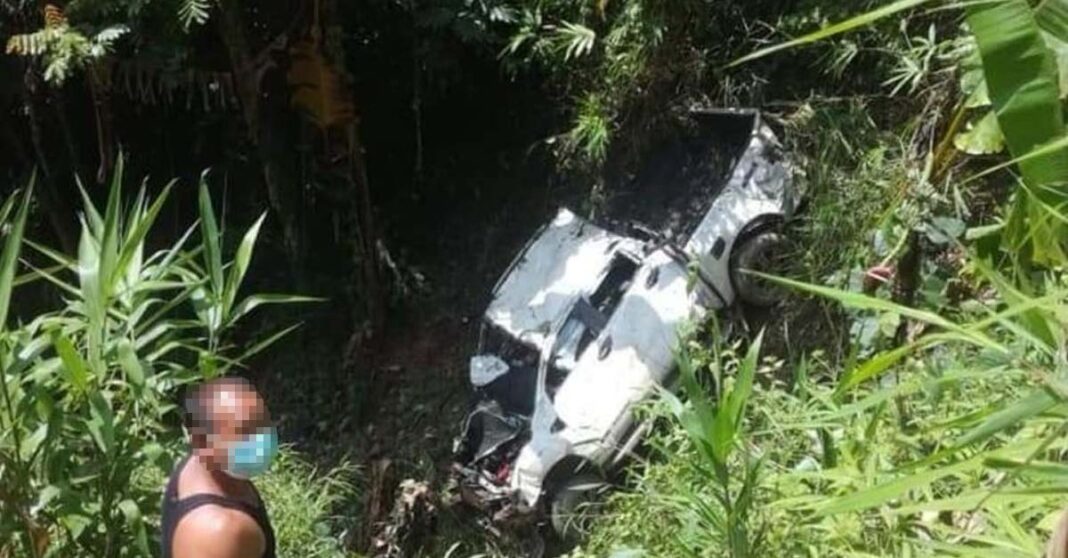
x: 567, y: 258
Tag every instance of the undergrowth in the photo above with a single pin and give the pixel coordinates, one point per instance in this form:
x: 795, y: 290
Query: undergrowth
x: 816, y: 450
x: 305, y: 504
x: 939, y: 431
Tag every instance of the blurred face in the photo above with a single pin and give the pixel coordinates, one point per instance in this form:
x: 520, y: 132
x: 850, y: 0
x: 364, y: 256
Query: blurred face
x: 240, y: 439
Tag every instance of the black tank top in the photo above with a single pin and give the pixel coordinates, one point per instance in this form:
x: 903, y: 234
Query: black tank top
x: 174, y: 510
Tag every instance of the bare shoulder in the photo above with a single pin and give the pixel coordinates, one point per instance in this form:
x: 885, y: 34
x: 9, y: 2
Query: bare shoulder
x: 212, y: 531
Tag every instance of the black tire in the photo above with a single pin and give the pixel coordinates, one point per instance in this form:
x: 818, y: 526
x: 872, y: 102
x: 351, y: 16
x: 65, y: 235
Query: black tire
x: 761, y: 252
x: 568, y: 513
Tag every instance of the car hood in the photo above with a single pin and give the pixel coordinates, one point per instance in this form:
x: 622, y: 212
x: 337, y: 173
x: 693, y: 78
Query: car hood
x: 565, y: 259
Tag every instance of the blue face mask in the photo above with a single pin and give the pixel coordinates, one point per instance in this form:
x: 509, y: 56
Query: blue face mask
x: 252, y: 456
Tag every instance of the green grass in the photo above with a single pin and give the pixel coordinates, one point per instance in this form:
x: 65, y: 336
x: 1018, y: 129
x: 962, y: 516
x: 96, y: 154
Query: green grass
x: 941, y: 438
x: 849, y: 169
x: 308, y: 506
x: 821, y: 457
x: 304, y: 504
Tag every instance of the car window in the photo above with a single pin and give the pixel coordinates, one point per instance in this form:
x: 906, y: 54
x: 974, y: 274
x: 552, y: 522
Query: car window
x: 616, y: 281
x: 589, y: 316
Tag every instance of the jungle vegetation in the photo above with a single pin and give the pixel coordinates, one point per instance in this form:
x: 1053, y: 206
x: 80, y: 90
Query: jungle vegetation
x: 319, y: 194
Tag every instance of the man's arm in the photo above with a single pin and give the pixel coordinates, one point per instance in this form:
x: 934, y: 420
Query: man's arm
x: 217, y: 532
x: 1058, y: 541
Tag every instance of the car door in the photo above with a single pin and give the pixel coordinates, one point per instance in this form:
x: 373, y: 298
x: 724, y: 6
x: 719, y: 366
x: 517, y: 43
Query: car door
x: 633, y: 352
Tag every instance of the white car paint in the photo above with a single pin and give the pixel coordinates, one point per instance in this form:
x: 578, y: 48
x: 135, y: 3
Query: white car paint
x: 743, y: 201
x: 602, y: 388
x: 565, y: 259
x: 643, y: 334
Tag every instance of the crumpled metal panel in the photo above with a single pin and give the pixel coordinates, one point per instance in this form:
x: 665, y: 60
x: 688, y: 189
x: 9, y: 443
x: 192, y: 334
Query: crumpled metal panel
x: 568, y: 258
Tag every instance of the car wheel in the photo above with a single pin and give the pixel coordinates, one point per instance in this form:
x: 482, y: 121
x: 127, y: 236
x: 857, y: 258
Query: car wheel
x: 763, y: 252
x: 569, y: 511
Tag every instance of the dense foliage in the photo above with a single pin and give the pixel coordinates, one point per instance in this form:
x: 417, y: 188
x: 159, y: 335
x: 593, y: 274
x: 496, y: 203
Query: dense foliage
x: 942, y: 431
x: 909, y: 401
x: 88, y: 388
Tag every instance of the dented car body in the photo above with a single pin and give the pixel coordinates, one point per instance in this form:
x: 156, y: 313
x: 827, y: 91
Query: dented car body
x: 584, y: 323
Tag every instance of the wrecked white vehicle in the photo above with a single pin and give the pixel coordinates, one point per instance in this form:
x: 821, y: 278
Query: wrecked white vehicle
x: 584, y: 323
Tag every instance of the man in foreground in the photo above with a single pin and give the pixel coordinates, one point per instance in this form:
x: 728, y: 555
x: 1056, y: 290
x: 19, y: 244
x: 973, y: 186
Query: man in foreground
x: 210, y: 509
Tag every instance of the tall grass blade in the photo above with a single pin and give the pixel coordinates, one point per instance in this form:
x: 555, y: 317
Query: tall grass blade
x: 260, y: 346
x: 74, y: 368
x: 1032, y: 405
x: 254, y: 301
x: 140, y: 224
x: 10, y: 256
x: 9, y: 204
x: 92, y: 216
x: 92, y: 297
x: 54, y: 255
x: 865, y: 302
x: 1055, y: 146
x: 851, y: 24
x: 35, y: 275
x: 131, y: 366
x: 1048, y: 469
x: 101, y: 423
x: 210, y: 233
x: 743, y: 383
x: 1007, y: 525
x: 241, y: 263
x: 883, y: 493
x: 109, y: 240
x: 49, y: 275
x: 1028, y: 308
x: 874, y: 366
x: 173, y: 254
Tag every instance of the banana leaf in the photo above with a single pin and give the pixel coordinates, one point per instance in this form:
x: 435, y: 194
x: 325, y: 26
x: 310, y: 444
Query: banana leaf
x: 1023, y: 85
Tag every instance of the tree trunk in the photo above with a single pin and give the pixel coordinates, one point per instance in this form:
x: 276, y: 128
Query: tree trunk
x: 417, y: 102
x: 270, y: 146
x: 373, y: 292
x: 60, y: 214
x: 99, y: 79
x: 59, y: 106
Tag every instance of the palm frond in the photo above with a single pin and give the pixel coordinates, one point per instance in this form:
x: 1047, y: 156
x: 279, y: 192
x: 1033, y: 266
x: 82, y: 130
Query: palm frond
x: 193, y: 12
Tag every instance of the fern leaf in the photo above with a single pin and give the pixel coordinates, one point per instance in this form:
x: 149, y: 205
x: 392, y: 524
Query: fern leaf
x: 577, y: 40
x: 108, y: 35
x: 57, y: 69
x: 193, y: 12
x: 28, y: 44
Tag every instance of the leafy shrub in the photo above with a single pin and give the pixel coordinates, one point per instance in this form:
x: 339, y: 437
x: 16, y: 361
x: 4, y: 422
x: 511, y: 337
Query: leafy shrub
x: 955, y: 454
x: 947, y: 439
x: 86, y: 390
x: 951, y: 445
x: 618, y: 61
x: 301, y: 500
x: 846, y: 476
x: 62, y: 47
